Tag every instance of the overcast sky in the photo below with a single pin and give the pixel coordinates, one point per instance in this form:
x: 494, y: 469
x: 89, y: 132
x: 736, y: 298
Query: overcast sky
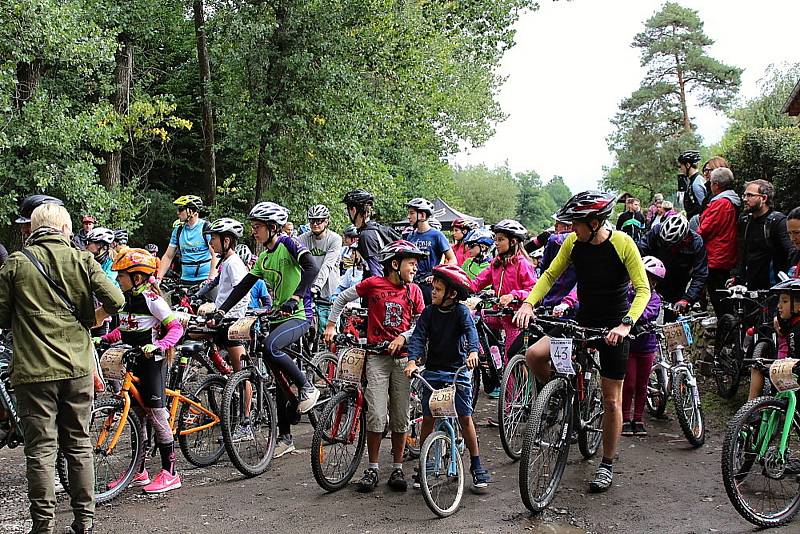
x: 573, y: 64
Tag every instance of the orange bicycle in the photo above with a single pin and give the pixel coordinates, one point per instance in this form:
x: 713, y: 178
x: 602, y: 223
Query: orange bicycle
x: 116, y: 430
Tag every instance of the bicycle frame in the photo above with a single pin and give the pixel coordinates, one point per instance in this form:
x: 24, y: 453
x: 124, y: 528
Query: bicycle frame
x: 766, y: 431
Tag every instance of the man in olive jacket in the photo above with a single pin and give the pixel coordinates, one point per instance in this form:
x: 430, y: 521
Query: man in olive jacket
x: 53, y: 363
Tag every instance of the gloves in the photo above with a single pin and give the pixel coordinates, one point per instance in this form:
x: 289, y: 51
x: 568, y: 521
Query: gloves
x: 215, y: 317
x: 560, y: 309
x: 290, y: 306
x: 97, y: 340
x: 681, y: 306
x: 150, y: 349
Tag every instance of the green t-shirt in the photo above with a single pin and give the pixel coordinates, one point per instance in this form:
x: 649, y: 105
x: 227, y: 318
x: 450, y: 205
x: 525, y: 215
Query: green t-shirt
x: 473, y: 268
x: 281, y: 271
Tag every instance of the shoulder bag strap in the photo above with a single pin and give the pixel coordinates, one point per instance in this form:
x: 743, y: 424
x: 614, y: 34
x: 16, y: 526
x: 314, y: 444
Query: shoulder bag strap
x: 53, y: 285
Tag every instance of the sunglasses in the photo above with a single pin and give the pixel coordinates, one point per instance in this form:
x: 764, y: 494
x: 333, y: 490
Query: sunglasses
x: 316, y: 221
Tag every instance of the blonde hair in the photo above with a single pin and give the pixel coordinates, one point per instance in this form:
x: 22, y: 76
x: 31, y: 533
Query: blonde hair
x: 51, y: 215
x: 667, y: 205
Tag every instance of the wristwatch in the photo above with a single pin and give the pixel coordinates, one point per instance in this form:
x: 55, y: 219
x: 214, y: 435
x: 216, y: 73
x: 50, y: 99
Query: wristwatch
x: 627, y: 320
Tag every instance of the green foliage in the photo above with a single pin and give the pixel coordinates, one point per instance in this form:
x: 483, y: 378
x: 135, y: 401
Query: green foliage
x: 488, y: 193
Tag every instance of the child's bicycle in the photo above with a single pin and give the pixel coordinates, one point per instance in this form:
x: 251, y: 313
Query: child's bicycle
x: 441, y: 468
x: 116, y: 430
x: 761, y: 450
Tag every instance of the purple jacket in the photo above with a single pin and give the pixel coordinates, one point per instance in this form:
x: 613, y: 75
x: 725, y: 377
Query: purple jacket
x: 648, y: 342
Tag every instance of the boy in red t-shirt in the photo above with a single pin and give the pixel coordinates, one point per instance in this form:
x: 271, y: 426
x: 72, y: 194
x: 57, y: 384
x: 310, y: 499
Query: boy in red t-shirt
x: 393, y: 302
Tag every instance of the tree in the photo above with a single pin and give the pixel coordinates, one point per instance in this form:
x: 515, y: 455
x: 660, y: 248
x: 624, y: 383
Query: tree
x: 488, y: 193
x: 209, y: 157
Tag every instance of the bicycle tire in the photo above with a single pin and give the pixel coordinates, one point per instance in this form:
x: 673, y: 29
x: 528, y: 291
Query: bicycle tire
x: 435, y: 445
x: 476, y: 387
x: 534, y: 500
x: 413, y: 444
x: 342, y: 405
x: 727, y: 377
x: 327, y: 363
x: 517, y: 394
x: 263, y: 414
x: 101, y: 412
x: 692, y: 424
x: 735, y: 473
x: 657, y: 392
x: 209, y: 395
x: 592, y: 413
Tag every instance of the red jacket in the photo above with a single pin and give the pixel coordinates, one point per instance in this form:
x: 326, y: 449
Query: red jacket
x: 718, y: 229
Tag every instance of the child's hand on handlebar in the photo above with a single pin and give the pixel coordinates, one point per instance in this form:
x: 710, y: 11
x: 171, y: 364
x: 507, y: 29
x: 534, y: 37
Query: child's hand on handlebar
x: 329, y: 333
x: 505, y: 300
x: 411, y: 368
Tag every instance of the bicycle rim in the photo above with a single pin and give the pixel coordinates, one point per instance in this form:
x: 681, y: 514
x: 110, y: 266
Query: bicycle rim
x: 517, y: 394
x: 118, y: 467
x: 592, y: 415
x: 656, y: 401
x: 688, y: 409
x: 727, y: 372
x: 764, y: 490
x: 413, y: 444
x: 327, y: 363
x: 441, y: 474
x: 338, y: 442
x: 204, y: 447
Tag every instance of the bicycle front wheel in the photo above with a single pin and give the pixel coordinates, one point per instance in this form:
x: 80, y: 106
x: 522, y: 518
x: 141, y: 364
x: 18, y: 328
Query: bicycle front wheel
x: 686, y: 397
x: 517, y: 394
x: 441, y: 474
x: 202, y: 447
x: 115, y: 464
x: 727, y: 357
x: 657, y: 392
x: 761, y: 483
x: 327, y: 363
x: 591, y: 408
x: 546, y: 446
x: 339, y: 441
x: 249, y: 437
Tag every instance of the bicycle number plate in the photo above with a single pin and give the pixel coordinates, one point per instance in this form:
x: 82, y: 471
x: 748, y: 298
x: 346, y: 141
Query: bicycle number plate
x: 242, y: 329
x: 561, y: 355
x: 112, y: 364
x: 675, y: 334
x: 443, y: 402
x: 781, y: 375
x: 351, y: 365
x: 206, y: 308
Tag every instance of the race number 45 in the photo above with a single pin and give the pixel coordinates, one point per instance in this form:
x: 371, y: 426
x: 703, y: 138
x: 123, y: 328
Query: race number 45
x: 561, y: 355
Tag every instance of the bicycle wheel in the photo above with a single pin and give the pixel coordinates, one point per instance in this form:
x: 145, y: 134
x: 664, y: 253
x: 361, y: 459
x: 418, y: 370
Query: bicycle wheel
x: 476, y: 386
x: 517, y: 394
x: 413, y: 444
x: 326, y: 362
x: 252, y: 452
x: 727, y: 357
x: 114, y: 469
x: 441, y: 474
x: 204, y: 447
x: 686, y: 397
x: 339, y: 441
x: 546, y: 446
x: 591, y: 409
x: 763, y: 489
x: 657, y: 392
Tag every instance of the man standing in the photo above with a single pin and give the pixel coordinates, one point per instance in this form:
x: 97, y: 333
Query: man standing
x: 53, y: 363
x: 26, y: 209
x: 430, y: 241
x: 87, y: 225
x: 325, y: 247
x: 198, y: 262
x: 371, y: 236
x: 631, y: 221
x: 692, y: 183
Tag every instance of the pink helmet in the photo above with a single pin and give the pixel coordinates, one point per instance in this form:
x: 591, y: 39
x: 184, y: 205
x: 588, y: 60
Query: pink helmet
x: 654, y: 266
x: 455, y: 278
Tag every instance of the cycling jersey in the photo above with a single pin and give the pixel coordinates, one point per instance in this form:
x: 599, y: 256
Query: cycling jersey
x: 603, y: 273
x: 259, y: 296
x: 141, y: 319
x: 280, y: 269
x: 325, y: 252
x: 474, y: 267
x: 195, y: 251
x: 434, y: 244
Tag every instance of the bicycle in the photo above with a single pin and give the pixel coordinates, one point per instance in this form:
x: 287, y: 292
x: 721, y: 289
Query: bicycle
x: 761, y: 450
x: 572, y: 396
x: 673, y: 376
x: 441, y: 468
x: 491, y: 345
x: 193, y: 423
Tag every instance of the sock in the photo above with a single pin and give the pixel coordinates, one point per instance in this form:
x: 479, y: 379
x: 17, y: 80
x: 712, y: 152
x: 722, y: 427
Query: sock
x: 397, y: 466
x: 608, y: 463
x: 167, y: 451
x: 373, y: 466
x: 474, y: 463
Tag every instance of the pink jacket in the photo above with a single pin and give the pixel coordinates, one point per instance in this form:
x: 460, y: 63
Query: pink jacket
x: 513, y: 276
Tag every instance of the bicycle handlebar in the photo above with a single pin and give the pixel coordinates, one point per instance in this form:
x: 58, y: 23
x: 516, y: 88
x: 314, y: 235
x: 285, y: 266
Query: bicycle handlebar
x: 418, y: 374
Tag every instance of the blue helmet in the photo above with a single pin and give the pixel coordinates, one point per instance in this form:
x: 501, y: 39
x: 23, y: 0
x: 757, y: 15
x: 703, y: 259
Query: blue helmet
x: 480, y: 236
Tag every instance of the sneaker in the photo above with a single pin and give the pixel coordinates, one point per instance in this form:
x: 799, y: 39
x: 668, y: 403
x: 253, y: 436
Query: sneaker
x: 415, y: 479
x: 480, y: 479
x: 242, y: 433
x: 397, y: 480
x: 602, y: 480
x: 139, y: 479
x: 163, y: 482
x: 368, y: 482
x: 285, y: 445
x: 639, y: 428
x: 308, y: 398
x: 627, y: 428
x: 494, y: 394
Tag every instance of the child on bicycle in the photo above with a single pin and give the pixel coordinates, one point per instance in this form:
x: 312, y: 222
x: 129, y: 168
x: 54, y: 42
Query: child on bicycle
x: 641, y: 355
x: 479, y: 243
x: 446, y: 332
x: 393, y: 300
x: 147, y: 322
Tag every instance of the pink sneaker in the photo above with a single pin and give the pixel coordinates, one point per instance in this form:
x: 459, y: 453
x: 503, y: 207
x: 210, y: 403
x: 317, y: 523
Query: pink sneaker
x: 139, y: 479
x: 163, y: 482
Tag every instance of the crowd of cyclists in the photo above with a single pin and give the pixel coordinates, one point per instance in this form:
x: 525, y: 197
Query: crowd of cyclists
x: 414, y: 287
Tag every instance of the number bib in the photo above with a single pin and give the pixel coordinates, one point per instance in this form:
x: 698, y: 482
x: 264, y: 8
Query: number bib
x: 351, y: 365
x: 242, y: 329
x: 112, y: 364
x: 443, y: 402
x: 781, y: 375
x: 561, y: 355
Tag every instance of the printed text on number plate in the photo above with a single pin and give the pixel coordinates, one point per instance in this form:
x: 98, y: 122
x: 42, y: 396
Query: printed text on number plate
x: 561, y: 355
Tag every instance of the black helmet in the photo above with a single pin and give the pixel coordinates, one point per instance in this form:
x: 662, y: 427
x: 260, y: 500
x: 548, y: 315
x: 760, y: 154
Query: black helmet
x: 689, y: 157
x: 358, y: 197
x: 31, y: 203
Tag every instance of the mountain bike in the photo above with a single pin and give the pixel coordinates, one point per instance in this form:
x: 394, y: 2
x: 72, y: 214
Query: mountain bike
x: 491, y: 345
x: 572, y: 398
x: 761, y: 450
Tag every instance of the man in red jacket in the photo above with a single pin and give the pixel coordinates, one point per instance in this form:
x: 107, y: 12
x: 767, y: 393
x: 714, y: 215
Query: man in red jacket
x: 718, y: 230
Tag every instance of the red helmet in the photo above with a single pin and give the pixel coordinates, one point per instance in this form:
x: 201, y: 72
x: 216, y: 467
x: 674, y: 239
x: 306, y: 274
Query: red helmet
x: 455, y: 278
x: 464, y: 224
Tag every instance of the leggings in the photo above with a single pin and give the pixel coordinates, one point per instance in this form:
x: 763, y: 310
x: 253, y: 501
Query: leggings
x: 511, y: 332
x: 635, y: 385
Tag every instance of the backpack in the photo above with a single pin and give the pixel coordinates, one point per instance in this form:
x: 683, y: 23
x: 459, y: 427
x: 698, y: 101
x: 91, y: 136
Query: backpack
x: 387, y: 234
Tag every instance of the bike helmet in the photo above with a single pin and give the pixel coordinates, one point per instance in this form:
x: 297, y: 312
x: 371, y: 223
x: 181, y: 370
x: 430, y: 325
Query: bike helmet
x: 511, y: 228
x: 358, y: 197
x: 654, y: 266
x: 244, y: 252
x: 786, y: 286
x: 454, y: 278
x: 435, y: 224
x: 479, y: 236
x: 350, y: 231
x: 101, y: 235
x: 135, y: 260
x: 31, y: 203
x: 398, y: 250
x: 226, y: 226
x: 465, y: 225
x: 319, y: 211
x: 152, y: 248
x: 189, y: 202
x: 269, y: 212
x: 121, y: 237
x: 689, y: 157
x: 673, y: 229
x: 587, y: 205
x: 560, y: 218
x: 420, y: 205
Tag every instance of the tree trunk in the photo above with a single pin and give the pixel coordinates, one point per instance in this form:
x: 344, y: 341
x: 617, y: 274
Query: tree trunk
x: 28, y: 76
x: 111, y: 172
x: 687, y: 125
x: 209, y: 157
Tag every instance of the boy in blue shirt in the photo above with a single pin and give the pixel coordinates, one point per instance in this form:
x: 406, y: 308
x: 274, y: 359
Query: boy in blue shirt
x: 430, y: 241
x: 454, y: 344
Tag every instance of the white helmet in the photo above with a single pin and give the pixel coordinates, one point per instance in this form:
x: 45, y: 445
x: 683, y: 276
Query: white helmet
x: 226, y: 226
x: 434, y: 223
x: 511, y: 228
x: 673, y: 229
x: 420, y: 204
x: 269, y: 212
x: 100, y: 235
x: 244, y: 252
x: 318, y: 211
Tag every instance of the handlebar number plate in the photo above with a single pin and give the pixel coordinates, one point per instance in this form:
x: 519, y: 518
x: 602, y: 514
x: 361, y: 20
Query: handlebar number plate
x: 676, y: 334
x: 112, y: 363
x: 443, y: 402
x: 242, y: 329
x: 351, y: 365
x: 561, y: 355
x: 781, y: 376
